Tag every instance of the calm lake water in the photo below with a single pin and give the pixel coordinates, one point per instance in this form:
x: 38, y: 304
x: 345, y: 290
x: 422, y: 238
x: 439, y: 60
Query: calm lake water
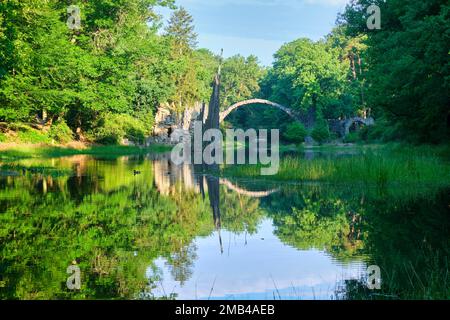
x: 173, y: 232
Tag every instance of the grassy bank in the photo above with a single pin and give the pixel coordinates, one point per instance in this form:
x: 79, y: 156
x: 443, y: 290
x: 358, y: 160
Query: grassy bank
x: 36, y: 151
x: 383, y: 165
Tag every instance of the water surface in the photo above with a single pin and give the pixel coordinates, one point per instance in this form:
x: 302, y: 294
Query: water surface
x: 175, y: 232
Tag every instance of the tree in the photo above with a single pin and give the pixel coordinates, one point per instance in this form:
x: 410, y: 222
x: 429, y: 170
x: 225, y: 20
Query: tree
x: 408, y: 67
x: 240, y: 79
x: 295, y: 133
x: 181, y: 30
x: 352, y: 51
x: 49, y: 72
x: 308, y: 77
x: 206, y: 66
x: 187, y: 73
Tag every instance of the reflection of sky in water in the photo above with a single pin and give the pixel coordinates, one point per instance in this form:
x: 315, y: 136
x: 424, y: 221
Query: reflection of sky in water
x: 253, y: 268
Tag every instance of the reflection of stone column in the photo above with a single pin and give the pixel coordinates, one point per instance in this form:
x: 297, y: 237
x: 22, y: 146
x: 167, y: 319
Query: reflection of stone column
x: 162, y: 179
x: 80, y: 164
x: 188, y: 178
x: 166, y: 176
x: 214, y: 199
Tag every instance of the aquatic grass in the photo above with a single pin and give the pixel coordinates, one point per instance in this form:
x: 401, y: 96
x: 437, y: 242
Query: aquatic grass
x: 17, y: 170
x: 54, y: 152
x: 380, y: 168
x: 429, y: 280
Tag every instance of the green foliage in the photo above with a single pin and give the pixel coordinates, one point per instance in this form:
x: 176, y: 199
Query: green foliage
x: 240, y: 79
x: 408, y: 65
x: 120, y: 63
x: 207, y: 64
x: 352, y: 137
x: 384, y: 167
x: 307, y: 76
x: 2, y: 137
x: 117, y: 63
x: 112, y: 129
x: 295, y: 133
x: 30, y: 135
x: 181, y: 30
x: 319, y: 80
x: 61, y: 132
x: 321, y: 132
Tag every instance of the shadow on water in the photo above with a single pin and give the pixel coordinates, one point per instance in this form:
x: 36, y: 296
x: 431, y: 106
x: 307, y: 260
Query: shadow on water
x: 140, y: 227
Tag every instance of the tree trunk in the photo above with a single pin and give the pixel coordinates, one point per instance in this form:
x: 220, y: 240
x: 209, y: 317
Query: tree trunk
x: 311, y: 114
x: 353, y: 66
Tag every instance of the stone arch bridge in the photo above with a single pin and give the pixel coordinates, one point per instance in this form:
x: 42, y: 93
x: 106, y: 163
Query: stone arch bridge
x: 241, y: 104
x: 341, y: 127
x: 169, y: 126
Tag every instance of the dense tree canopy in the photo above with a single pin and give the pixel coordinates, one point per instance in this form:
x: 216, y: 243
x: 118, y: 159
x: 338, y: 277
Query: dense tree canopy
x: 240, y: 80
x: 116, y: 63
x: 408, y: 64
x: 120, y: 65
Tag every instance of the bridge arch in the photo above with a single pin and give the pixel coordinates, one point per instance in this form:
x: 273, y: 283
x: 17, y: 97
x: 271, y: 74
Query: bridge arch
x: 349, y: 122
x: 242, y: 191
x: 235, y: 106
x: 341, y: 126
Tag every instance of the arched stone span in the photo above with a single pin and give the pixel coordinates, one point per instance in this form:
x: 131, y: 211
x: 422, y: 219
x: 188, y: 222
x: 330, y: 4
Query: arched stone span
x: 349, y: 122
x: 341, y: 127
x: 252, y: 194
x: 235, y: 106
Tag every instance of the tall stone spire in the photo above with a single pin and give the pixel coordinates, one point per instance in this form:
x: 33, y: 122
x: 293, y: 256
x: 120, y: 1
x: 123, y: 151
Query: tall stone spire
x: 213, y: 119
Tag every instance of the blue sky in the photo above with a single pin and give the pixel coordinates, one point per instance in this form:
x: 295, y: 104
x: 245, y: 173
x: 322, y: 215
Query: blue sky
x: 259, y: 27
x: 255, y: 267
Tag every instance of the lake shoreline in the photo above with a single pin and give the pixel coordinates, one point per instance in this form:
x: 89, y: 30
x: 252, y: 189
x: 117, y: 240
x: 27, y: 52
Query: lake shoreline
x: 20, y: 151
x: 382, y: 165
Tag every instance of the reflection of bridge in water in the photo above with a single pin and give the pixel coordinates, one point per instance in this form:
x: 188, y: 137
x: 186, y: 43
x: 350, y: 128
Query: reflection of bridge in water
x: 170, y: 178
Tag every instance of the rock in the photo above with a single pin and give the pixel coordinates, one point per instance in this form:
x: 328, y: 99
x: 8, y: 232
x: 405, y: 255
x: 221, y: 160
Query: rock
x: 128, y: 143
x: 179, y: 135
x: 171, y: 126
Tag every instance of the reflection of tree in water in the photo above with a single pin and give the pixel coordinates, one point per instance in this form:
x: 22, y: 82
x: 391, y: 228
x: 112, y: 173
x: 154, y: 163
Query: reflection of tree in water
x: 114, y: 231
x: 181, y: 262
x: 115, y: 225
x: 310, y: 218
x: 240, y: 213
x: 234, y: 212
x: 404, y: 231
x: 214, y: 200
x: 408, y: 239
